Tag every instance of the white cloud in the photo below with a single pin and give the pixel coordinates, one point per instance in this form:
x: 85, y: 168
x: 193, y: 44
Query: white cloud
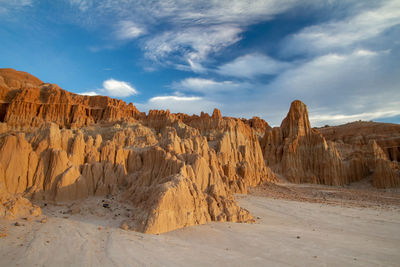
x: 16, y: 3
x: 341, y: 34
x: 173, y: 98
x: 252, y: 65
x: 90, y: 93
x: 196, y: 66
x: 204, y: 85
x: 179, y: 103
x: 349, y: 66
x: 127, y: 30
x: 180, y: 33
x: 343, y: 118
x: 116, y: 88
x: 83, y: 5
x: 113, y: 88
x: 365, y: 53
x: 337, y: 88
x: 192, y: 45
x: 7, y: 5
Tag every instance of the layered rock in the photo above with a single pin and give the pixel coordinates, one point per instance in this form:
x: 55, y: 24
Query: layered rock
x: 303, y: 155
x: 27, y: 102
x: 175, y: 170
x: 158, y: 174
x: 258, y: 124
x: 371, y: 148
x: 300, y: 153
x: 360, y: 133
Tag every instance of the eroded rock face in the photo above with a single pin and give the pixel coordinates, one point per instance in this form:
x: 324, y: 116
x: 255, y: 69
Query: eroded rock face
x: 303, y: 155
x: 300, y: 153
x: 174, y: 179
x: 386, y: 135
x: 371, y: 148
x: 28, y: 102
x: 175, y: 170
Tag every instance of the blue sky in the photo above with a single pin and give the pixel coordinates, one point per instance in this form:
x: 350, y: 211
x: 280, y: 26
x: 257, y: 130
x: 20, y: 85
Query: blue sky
x: 247, y: 58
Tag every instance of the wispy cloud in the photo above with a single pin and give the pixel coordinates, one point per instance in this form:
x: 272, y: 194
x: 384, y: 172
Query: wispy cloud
x: 116, y: 88
x: 204, y: 85
x: 127, y: 30
x: 346, y: 64
x: 83, y: 5
x: 6, y: 5
x: 179, y: 103
x: 252, y: 65
x: 337, y: 88
x: 173, y: 98
x: 180, y: 33
x: 191, y: 45
x: 89, y: 93
x: 317, y: 119
x: 345, y: 33
x: 113, y: 88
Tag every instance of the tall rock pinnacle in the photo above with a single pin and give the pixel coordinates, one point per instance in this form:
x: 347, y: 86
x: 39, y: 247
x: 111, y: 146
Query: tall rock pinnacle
x: 296, y: 122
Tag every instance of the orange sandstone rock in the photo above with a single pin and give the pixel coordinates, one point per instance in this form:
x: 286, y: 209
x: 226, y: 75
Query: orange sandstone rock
x: 175, y: 170
x: 303, y: 155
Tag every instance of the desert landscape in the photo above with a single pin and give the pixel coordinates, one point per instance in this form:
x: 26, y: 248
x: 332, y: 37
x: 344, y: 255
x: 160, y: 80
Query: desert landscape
x: 91, y: 180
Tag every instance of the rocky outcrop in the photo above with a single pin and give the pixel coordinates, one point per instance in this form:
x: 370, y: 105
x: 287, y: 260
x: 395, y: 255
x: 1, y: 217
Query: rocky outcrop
x: 303, y: 155
x: 300, y: 153
x: 175, y: 170
x: 371, y: 148
x: 27, y: 102
x: 14, y: 205
x: 258, y: 124
x: 173, y: 180
x: 360, y: 133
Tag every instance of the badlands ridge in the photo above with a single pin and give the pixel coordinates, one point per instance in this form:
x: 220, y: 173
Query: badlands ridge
x: 174, y: 170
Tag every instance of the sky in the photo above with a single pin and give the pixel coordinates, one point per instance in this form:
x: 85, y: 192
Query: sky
x: 245, y: 57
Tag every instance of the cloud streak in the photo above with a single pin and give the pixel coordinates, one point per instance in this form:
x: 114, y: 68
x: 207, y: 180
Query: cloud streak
x: 6, y: 5
x: 118, y: 88
x: 187, y: 31
x: 201, y: 85
x: 127, y: 30
x: 343, y: 61
x: 252, y: 65
x: 179, y: 103
x: 113, y: 88
x: 346, y: 33
x: 191, y: 45
x: 89, y: 93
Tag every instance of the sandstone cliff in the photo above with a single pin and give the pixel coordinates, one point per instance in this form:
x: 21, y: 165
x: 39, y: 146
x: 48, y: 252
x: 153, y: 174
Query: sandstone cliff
x: 175, y: 170
x: 26, y: 101
x: 303, y: 155
x: 300, y: 153
x: 386, y: 135
x: 371, y: 148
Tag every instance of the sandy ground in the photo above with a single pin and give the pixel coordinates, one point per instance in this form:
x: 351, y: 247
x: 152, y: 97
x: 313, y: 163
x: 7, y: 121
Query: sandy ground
x: 287, y: 233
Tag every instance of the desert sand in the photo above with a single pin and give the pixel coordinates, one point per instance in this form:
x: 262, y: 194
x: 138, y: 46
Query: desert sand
x: 287, y: 233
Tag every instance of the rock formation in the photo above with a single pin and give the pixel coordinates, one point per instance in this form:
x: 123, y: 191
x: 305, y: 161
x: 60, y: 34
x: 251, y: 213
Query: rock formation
x: 175, y: 170
x: 303, y: 155
x: 300, y: 153
x: 27, y: 101
x: 373, y: 149
x: 386, y: 135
